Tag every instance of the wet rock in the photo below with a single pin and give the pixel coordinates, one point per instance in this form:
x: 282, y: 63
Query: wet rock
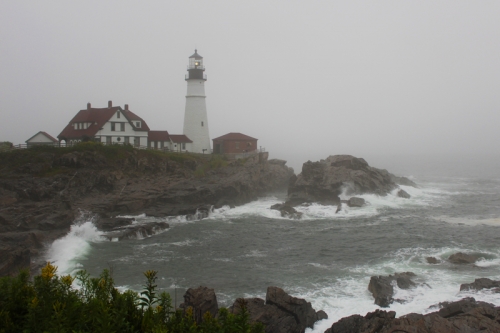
x: 466, y: 315
x: 403, y: 194
x: 356, y: 202
x: 107, y: 224
x: 287, y: 211
x: 137, y: 231
x: 462, y: 258
x: 202, y: 300
x: 432, y: 260
x: 403, y: 181
x: 324, y: 181
x: 382, y: 289
x: 481, y: 283
x: 280, y: 313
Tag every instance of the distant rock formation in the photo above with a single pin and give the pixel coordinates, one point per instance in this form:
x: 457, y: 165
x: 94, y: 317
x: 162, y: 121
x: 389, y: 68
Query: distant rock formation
x: 481, y: 283
x: 324, y: 181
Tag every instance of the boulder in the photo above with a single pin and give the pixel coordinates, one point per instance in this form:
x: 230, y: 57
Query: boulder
x: 324, y: 181
x: 287, y: 211
x: 201, y: 300
x: 357, y: 323
x: 403, y: 194
x: 356, y: 202
x: 462, y: 258
x: 432, y: 260
x: 482, y: 283
x: 280, y: 313
x: 382, y: 288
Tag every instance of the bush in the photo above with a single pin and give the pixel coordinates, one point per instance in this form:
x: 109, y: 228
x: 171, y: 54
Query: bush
x: 50, y: 303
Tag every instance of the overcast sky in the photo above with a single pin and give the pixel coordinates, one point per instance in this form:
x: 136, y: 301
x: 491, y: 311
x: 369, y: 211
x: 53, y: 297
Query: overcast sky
x: 307, y: 78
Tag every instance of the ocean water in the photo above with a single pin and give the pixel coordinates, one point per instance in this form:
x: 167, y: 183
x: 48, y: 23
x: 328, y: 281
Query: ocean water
x: 324, y: 257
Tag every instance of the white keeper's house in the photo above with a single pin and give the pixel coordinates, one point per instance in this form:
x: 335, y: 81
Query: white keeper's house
x: 117, y: 125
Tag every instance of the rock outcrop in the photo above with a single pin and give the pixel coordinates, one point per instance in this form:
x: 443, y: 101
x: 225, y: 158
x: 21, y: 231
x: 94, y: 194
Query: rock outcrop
x: 481, y: 283
x: 382, y: 288
x: 287, y: 211
x: 466, y: 315
x: 462, y: 258
x: 201, y: 300
x: 280, y: 312
x: 324, y: 181
x: 43, y: 189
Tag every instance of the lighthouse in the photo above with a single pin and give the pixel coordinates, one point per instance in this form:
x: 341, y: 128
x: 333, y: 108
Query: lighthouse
x: 195, y: 114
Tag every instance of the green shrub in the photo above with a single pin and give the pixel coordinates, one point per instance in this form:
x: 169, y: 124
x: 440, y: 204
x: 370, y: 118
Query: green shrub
x: 50, y: 303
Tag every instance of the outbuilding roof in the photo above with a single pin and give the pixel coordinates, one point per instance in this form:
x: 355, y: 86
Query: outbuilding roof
x: 50, y: 137
x: 180, y: 138
x: 234, y: 136
x: 158, y: 136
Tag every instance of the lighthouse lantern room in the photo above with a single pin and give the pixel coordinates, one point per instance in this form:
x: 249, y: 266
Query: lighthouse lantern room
x: 195, y: 114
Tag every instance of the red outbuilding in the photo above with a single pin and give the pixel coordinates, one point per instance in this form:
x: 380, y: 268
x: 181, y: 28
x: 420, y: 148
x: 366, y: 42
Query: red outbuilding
x: 234, y: 143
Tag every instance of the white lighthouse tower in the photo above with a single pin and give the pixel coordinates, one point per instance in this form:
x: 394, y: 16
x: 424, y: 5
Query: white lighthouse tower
x: 195, y: 115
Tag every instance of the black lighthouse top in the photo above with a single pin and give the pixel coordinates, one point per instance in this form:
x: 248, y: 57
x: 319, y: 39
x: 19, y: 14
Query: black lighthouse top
x: 196, y: 68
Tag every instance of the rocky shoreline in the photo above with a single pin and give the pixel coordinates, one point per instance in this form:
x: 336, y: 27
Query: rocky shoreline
x: 282, y: 313
x: 43, y: 190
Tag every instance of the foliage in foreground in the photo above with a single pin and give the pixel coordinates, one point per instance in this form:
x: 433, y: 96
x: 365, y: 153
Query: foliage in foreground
x: 49, y: 303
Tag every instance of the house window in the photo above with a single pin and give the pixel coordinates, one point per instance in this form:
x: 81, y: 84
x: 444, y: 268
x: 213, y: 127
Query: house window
x: 118, y: 114
x: 122, y: 127
x: 137, y: 141
x: 113, y: 127
x: 138, y: 124
x: 126, y: 140
x: 237, y: 145
x: 79, y: 125
x: 183, y: 146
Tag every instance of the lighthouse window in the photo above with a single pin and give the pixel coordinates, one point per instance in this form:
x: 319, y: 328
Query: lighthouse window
x: 201, y: 124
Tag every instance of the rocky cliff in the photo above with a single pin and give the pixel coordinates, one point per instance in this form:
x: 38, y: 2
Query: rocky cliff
x: 42, y: 189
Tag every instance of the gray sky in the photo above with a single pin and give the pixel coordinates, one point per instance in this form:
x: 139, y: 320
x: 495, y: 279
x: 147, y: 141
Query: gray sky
x: 307, y: 78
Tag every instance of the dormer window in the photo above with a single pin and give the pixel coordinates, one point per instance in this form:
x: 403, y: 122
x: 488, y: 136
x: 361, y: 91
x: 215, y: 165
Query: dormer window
x: 138, y: 124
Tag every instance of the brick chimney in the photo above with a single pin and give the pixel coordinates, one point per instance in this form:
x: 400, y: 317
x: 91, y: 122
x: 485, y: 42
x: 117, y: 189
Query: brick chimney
x: 88, y: 106
x: 126, y: 107
x: 110, y: 104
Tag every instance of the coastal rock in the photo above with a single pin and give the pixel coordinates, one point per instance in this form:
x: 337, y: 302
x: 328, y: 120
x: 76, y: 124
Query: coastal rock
x: 465, y: 315
x: 432, y: 260
x: 280, y: 313
x: 357, y: 323
x: 402, y: 181
x: 462, y: 258
x: 403, y: 194
x: 356, y: 202
x: 111, y: 223
x: 202, y: 300
x: 382, y: 288
x: 324, y: 181
x: 287, y: 211
x: 481, y: 283
x: 137, y: 231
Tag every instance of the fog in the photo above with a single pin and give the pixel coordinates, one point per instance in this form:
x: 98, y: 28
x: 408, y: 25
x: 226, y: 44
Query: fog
x: 307, y: 78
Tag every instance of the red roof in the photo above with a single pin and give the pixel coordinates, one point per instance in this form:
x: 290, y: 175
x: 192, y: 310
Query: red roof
x: 234, y: 136
x: 180, y: 138
x: 98, y: 117
x: 158, y: 136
